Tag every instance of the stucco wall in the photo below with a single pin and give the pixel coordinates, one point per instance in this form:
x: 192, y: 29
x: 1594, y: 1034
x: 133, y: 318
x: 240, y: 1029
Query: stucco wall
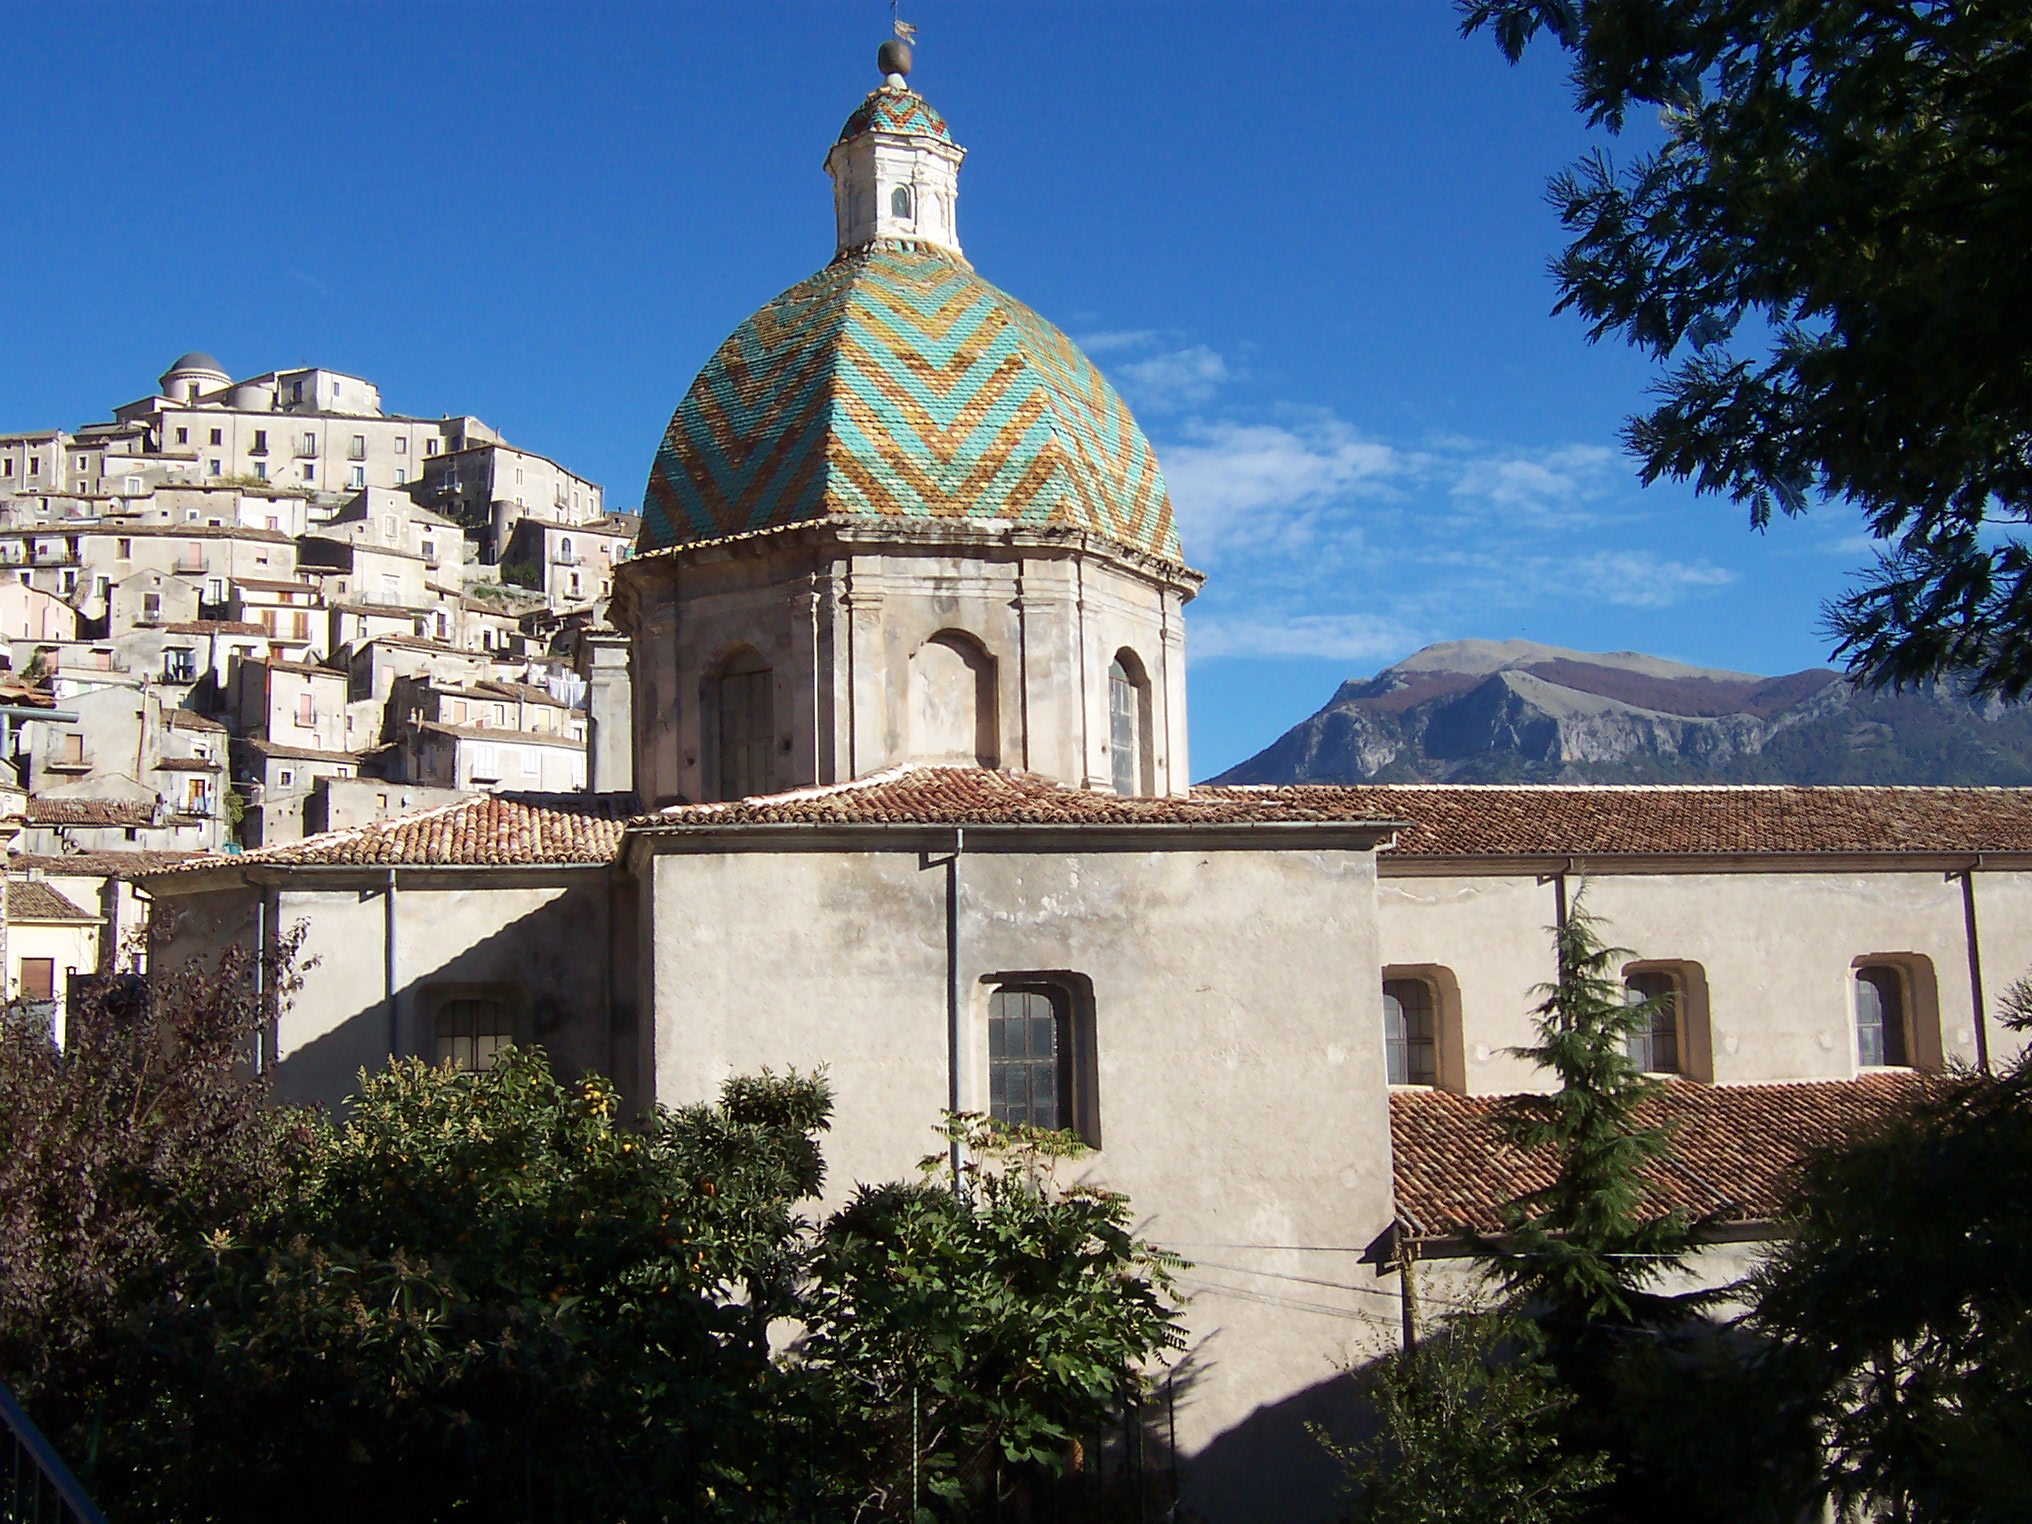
x: 1777, y: 952
x: 539, y: 942
x: 1240, y: 1087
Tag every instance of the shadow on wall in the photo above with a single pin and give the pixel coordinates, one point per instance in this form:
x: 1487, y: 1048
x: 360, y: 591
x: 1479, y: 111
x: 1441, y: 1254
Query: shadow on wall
x: 558, y: 997
x: 1268, y: 1469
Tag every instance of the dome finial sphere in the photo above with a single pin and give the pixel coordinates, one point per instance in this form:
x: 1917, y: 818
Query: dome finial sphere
x: 893, y: 58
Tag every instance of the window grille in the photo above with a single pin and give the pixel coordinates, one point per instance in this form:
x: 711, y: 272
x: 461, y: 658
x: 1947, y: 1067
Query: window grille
x: 1880, y: 1017
x: 1030, y: 1056
x: 472, y: 1033
x: 1654, y: 1048
x: 1410, y: 1032
x: 1125, y: 726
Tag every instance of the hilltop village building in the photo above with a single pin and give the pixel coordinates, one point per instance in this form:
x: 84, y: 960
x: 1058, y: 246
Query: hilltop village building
x: 891, y: 752
x: 206, y: 603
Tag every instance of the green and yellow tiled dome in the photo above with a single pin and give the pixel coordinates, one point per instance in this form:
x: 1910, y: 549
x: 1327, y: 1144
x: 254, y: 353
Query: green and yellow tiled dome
x: 897, y: 384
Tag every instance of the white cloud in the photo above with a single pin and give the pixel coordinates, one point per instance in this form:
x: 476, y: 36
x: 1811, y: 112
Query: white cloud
x: 1639, y: 580
x: 1174, y: 379
x: 1543, y: 487
x: 1115, y: 340
x: 1240, y: 485
x: 1335, y: 637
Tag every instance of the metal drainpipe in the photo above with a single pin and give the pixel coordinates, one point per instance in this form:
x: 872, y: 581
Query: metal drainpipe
x: 260, y: 990
x: 388, y: 966
x: 1975, y: 962
x: 952, y: 989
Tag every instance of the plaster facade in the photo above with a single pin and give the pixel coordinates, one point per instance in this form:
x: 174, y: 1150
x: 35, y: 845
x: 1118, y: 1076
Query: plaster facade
x: 1182, y: 955
x: 1766, y: 955
x: 542, y: 942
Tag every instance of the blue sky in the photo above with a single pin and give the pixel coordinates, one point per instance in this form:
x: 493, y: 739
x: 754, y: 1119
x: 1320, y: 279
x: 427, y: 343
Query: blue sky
x: 1308, y: 243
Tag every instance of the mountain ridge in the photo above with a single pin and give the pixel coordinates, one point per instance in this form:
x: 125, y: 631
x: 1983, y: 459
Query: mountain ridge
x: 1518, y: 712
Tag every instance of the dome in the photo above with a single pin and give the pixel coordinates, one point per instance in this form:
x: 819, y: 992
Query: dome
x: 896, y: 109
x: 896, y: 383
x: 197, y: 361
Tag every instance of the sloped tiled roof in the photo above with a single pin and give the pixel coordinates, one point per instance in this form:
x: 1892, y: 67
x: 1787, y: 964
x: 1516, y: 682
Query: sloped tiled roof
x: 499, y: 735
x: 978, y: 796
x: 190, y: 719
x: 493, y: 830
x: 1734, y: 1148
x: 99, y: 864
x: 90, y: 812
x: 1597, y: 821
x: 31, y: 901
x: 262, y: 748
x: 215, y: 627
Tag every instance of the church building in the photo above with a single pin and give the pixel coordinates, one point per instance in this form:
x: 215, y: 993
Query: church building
x: 900, y: 688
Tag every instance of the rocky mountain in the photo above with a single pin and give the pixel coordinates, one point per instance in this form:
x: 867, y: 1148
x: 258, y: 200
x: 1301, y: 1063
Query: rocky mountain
x: 1484, y: 711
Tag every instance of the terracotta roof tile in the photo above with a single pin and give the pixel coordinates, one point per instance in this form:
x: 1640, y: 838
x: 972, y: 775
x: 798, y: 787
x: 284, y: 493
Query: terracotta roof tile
x: 98, y: 864
x: 214, y: 627
x: 31, y: 901
x: 90, y: 812
x: 1444, y: 820
x: 1735, y: 1147
x: 492, y: 830
x: 981, y: 796
x: 1582, y: 821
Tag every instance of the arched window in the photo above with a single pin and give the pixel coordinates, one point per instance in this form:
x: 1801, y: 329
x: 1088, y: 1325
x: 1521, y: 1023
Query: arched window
x: 899, y: 202
x: 1128, y: 724
x: 746, y: 715
x: 1654, y: 1047
x: 1410, y: 1032
x: 1880, y: 1017
x: 564, y: 547
x: 1030, y: 1076
x: 472, y: 1033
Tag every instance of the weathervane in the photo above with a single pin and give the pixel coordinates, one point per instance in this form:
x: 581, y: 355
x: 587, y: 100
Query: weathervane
x: 893, y: 58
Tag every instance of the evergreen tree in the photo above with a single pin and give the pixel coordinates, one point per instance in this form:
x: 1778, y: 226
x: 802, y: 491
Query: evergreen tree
x: 1582, y: 1250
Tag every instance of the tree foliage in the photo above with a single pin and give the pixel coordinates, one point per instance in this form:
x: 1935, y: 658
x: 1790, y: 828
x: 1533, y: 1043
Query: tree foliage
x: 144, y: 1131
x: 1829, y: 255
x: 1903, y: 1289
x: 1467, y: 1431
x: 979, y: 1331
x: 490, y: 1295
x: 484, y: 1293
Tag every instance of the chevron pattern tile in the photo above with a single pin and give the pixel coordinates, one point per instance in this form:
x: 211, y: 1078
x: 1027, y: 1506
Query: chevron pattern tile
x: 898, y: 384
x: 900, y: 111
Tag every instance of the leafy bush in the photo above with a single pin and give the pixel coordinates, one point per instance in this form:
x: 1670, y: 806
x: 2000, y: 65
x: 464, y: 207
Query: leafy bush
x: 1467, y: 1431
x: 973, y: 1335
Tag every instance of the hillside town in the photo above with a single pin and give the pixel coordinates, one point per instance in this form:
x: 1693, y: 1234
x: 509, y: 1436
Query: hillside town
x: 744, y: 1010
x: 243, y: 611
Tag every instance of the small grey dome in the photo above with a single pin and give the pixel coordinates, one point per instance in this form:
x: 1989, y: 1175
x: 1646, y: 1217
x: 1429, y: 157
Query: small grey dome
x: 196, y: 360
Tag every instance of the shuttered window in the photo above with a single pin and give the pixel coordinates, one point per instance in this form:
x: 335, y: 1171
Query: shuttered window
x: 747, y: 722
x: 1654, y: 1047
